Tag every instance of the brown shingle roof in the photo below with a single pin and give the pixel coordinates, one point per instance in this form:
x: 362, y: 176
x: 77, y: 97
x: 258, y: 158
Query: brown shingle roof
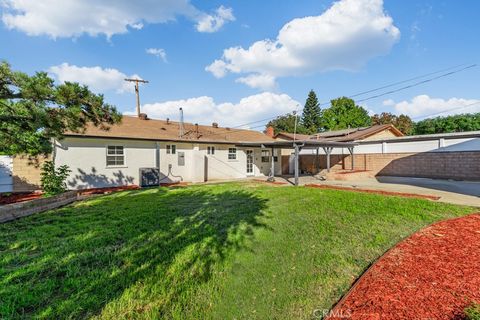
x: 135, y: 128
x: 344, y: 135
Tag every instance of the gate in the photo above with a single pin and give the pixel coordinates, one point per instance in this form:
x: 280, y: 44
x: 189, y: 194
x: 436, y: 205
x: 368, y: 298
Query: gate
x: 6, y: 172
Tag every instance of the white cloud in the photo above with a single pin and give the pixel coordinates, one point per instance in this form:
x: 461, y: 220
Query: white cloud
x: 260, y: 81
x: 424, y: 106
x: 71, y: 18
x: 213, y: 23
x: 158, y: 52
x: 204, y: 110
x: 344, y: 37
x: 96, y: 78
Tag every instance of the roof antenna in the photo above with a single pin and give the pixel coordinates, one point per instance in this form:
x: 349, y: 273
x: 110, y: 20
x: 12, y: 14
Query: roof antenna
x: 137, y: 92
x: 181, y: 128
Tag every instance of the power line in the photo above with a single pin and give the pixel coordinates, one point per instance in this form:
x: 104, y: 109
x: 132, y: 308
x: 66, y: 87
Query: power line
x: 404, y: 81
x: 379, y: 88
x: 418, y: 83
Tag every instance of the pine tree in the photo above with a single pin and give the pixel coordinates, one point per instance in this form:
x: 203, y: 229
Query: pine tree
x: 311, y: 117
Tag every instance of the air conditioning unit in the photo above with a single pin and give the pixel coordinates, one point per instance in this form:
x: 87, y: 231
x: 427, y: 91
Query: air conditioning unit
x: 149, y: 177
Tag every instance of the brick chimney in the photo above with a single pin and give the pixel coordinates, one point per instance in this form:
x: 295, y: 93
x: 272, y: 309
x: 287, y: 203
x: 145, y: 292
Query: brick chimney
x: 270, y: 132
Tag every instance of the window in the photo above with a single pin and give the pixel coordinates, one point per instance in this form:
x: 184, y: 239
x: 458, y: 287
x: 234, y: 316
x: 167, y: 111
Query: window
x: 265, y: 156
x: 171, y: 149
x: 232, y: 153
x: 210, y: 150
x: 115, y: 156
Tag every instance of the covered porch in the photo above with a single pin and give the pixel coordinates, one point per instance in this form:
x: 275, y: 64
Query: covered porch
x: 297, y: 146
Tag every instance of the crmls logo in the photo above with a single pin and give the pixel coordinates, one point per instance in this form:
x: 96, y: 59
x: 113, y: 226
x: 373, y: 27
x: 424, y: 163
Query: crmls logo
x: 337, y: 314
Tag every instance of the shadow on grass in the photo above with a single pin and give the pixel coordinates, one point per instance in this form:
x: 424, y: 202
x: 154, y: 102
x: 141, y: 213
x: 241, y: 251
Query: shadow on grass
x: 152, y: 246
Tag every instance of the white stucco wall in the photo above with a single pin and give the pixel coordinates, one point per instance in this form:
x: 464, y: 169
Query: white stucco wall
x: 87, y: 160
x: 86, y: 157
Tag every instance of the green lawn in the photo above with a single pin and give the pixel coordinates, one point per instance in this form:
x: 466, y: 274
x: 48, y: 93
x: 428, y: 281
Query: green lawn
x: 229, y: 251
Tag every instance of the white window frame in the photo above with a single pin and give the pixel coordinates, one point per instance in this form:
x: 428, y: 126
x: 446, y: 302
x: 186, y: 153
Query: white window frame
x: 265, y: 156
x: 115, y: 155
x: 232, y: 156
x: 171, y: 148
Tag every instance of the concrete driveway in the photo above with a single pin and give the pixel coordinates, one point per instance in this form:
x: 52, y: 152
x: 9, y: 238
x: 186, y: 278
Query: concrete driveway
x: 456, y: 192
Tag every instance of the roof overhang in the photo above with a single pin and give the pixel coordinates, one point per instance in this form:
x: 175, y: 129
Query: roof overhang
x: 305, y: 144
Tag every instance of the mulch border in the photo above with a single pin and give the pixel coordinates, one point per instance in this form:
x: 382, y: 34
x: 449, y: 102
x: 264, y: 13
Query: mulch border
x: 385, y: 193
x: 334, y: 310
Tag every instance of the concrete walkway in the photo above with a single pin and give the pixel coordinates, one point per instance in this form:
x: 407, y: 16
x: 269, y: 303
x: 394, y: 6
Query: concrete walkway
x: 456, y: 192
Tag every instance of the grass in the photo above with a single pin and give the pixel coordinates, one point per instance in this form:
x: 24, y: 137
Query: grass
x: 473, y: 312
x: 229, y: 251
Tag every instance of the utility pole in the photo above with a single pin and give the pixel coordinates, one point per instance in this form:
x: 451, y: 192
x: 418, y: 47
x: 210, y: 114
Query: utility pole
x: 137, y: 92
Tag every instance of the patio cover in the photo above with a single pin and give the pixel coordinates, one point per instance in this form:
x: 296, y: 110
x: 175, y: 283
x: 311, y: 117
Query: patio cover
x: 297, y: 145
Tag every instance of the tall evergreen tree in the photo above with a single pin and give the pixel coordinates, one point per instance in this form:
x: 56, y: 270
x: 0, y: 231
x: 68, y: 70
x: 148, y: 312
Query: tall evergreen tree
x: 311, y: 116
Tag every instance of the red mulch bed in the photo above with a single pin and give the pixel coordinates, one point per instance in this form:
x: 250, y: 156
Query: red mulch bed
x: 385, y: 193
x: 19, y: 197
x: 434, y: 274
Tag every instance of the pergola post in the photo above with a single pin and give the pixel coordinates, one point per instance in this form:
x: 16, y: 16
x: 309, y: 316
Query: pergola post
x: 272, y: 168
x: 328, y: 151
x: 296, y: 163
x: 350, y: 149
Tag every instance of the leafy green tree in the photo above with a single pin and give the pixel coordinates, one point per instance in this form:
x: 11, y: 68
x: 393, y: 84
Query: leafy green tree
x: 33, y: 110
x: 402, y: 122
x: 455, y: 123
x: 343, y: 114
x: 312, y: 115
x: 286, y: 123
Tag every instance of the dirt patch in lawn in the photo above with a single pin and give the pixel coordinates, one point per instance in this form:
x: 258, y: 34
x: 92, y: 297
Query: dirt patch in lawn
x: 434, y: 274
x: 270, y: 182
x: 385, y: 193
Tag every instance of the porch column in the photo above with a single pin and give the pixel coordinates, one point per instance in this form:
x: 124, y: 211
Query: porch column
x: 317, y: 160
x: 350, y: 149
x: 296, y: 164
x: 328, y: 151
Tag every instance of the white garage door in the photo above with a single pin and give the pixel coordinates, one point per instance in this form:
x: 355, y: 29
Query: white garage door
x: 6, y: 167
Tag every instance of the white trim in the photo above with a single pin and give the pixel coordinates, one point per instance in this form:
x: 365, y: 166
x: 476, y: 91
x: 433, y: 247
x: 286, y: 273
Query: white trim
x: 248, y: 174
x: 124, y: 165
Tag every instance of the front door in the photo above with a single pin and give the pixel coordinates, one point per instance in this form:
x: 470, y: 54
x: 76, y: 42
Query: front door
x: 249, y: 162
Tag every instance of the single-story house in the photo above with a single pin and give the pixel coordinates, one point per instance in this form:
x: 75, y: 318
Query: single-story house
x: 144, y: 151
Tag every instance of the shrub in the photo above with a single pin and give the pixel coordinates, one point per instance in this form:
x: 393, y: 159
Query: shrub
x: 54, y: 179
x: 473, y: 312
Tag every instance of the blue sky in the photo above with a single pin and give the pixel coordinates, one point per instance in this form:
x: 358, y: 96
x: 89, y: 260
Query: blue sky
x: 334, y: 47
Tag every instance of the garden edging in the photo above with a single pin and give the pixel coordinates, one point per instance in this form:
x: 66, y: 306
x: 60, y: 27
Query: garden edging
x: 14, y: 211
